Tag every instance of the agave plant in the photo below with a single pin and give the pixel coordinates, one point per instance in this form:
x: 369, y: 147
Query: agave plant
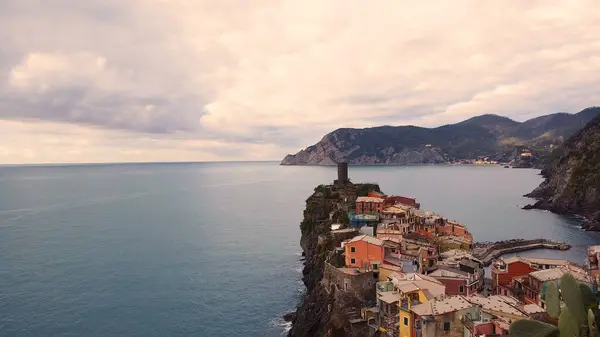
x: 575, y: 320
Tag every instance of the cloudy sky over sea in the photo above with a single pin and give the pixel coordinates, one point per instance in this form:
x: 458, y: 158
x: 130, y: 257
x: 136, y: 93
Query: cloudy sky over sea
x: 177, y: 80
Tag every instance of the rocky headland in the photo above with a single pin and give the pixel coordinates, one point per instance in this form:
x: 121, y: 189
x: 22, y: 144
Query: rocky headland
x: 324, y: 313
x: 488, y: 136
x: 572, y: 178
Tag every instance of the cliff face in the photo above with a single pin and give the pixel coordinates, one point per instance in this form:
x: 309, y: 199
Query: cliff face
x: 572, y: 177
x: 483, y: 136
x: 322, y: 313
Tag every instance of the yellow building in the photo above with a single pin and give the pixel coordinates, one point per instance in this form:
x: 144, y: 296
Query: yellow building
x: 414, y: 289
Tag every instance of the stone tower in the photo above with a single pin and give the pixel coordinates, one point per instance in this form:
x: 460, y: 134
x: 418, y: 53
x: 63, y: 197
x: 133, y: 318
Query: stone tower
x: 342, y: 169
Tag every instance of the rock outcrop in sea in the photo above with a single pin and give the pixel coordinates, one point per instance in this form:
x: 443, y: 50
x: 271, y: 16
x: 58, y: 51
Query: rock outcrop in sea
x: 572, y: 177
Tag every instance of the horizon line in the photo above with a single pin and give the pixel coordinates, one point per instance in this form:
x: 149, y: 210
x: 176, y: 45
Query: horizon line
x: 134, y: 163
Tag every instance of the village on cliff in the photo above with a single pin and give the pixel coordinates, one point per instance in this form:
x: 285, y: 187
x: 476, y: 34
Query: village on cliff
x: 402, y: 271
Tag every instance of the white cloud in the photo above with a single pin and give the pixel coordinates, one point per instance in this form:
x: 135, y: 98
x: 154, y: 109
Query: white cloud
x: 257, y: 79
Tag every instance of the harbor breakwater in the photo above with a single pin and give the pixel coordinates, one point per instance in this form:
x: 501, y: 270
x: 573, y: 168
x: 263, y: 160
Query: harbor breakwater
x: 489, y: 251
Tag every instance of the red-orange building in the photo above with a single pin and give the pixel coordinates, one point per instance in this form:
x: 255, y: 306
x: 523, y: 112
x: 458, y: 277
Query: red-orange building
x: 369, y: 205
x: 365, y: 252
x: 504, y: 270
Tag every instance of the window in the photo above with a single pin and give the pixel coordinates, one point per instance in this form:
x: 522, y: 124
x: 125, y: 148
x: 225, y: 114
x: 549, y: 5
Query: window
x: 352, y: 261
x: 446, y: 326
x: 405, y: 321
x: 375, y: 266
x: 461, y: 289
x: 352, y: 249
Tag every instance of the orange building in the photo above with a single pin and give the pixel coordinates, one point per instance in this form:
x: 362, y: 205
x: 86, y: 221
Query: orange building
x: 369, y: 205
x: 365, y: 252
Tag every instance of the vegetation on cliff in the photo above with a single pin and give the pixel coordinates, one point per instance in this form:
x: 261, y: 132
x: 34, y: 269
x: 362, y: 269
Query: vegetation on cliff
x: 493, y: 136
x: 572, y: 177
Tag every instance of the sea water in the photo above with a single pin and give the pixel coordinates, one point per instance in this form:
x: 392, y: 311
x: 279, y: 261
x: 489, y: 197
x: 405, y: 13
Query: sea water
x: 207, y: 249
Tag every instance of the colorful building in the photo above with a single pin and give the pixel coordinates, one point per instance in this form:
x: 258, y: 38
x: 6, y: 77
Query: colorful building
x: 364, y: 252
x: 414, y: 289
x: 504, y: 270
x: 397, y: 214
x: 393, y: 229
x: 591, y: 263
x: 458, y: 282
x: 531, y: 287
x: 441, y: 318
x: 369, y: 205
x: 454, y: 228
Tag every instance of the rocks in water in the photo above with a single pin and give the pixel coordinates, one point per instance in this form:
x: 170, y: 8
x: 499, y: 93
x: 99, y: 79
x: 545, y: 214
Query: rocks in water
x: 289, y: 317
x: 528, y: 206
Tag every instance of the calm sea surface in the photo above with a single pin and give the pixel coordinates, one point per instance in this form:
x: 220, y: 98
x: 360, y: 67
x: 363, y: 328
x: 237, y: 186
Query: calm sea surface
x: 206, y: 249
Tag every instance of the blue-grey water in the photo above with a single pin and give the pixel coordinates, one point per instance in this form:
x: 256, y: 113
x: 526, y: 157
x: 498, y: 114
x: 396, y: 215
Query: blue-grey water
x: 205, y: 249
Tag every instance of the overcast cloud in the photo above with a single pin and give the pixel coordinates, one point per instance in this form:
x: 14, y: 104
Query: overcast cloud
x: 162, y: 80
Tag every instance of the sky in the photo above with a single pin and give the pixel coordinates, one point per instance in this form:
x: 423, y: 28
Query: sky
x: 206, y: 80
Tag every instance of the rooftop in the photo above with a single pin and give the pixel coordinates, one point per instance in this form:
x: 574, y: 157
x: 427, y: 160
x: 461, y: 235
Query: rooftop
x: 533, y: 309
x: 389, y: 297
x: 535, y: 260
x: 556, y: 273
x: 369, y: 199
x: 469, y: 263
x: 555, y: 262
x: 441, y: 307
x: 368, y: 239
x: 391, y: 267
x: 502, y: 304
x: 412, y: 282
x: 394, y: 209
x: 392, y: 239
x: 449, y: 272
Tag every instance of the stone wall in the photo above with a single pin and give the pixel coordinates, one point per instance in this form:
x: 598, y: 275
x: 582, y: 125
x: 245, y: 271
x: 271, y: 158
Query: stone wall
x: 340, y: 236
x: 361, y: 285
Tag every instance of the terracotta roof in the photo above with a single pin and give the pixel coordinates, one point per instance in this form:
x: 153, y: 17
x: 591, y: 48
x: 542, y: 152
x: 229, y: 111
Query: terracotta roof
x: 449, y: 272
x: 412, y: 282
x: 389, y: 238
x: 441, y: 307
x: 408, y: 287
x: 556, y: 273
x: 388, y: 297
x: 502, y: 304
x: 533, y: 309
x: 512, y: 259
x: 368, y: 239
x: 555, y: 262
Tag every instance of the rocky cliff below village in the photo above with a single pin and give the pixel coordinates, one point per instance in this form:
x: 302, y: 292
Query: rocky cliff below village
x: 323, y: 312
x: 492, y: 136
x: 572, y: 177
